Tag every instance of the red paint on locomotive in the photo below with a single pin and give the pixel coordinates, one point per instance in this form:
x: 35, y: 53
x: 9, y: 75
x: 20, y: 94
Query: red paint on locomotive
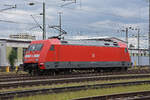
x: 52, y: 51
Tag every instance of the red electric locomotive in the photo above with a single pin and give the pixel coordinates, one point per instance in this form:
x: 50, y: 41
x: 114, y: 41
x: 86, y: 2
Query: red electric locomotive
x: 55, y: 55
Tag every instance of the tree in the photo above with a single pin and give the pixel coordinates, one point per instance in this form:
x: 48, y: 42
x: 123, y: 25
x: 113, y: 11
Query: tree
x: 12, y: 57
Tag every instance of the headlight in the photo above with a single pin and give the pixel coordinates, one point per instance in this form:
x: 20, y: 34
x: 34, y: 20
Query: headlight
x: 36, y: 55
x: 27, y: 56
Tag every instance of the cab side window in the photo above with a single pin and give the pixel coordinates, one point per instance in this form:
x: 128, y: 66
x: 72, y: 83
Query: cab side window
x: 126, y: 50
x: 52, y: 48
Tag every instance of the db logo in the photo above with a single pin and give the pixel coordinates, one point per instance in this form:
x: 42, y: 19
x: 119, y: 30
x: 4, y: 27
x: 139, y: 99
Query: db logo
x: 93, y: 55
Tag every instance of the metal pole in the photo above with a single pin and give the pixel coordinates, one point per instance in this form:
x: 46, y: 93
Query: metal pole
x: 60, y: 22
x: 44, y: 28
x: 149, y: 33
x: 127, y: 36
x: 138, y: 41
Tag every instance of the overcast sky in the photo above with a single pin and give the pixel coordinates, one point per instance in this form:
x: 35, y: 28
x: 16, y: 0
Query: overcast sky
x: 84, y: 18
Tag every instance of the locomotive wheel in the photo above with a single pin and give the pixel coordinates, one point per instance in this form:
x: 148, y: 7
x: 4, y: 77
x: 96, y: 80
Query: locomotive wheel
x: 31, y: 72
x: 124, y: 69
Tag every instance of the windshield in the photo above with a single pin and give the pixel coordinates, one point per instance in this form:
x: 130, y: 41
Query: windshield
x: 35, y: 47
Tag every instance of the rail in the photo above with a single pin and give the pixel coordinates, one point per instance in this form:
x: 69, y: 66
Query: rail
x: 8, y: 95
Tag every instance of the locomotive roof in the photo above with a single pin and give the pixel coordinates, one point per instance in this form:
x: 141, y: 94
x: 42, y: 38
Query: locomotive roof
x: 94, y: 41
x: 101, y: 39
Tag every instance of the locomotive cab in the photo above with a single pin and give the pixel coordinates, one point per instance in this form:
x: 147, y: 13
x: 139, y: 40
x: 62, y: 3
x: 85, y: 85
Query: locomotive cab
x: 35, y: 57
x: 32, y: 56
x: 33, y: 53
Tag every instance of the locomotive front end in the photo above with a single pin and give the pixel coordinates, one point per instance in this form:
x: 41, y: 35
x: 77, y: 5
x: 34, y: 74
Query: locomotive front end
x: 31, y: 58
x: 38, y: 54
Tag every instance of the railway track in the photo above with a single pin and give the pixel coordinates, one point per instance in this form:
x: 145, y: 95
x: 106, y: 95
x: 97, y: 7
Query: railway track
x: 99, y: 77
x: 142, y: 95
x: 47, y: 81
x: 8, y: 95
x: 26, y: 80
x: 13, y: 76
x: 23, y: 77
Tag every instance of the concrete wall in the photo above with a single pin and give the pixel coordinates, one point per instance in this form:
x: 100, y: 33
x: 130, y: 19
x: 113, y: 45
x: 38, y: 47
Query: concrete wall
x: 142, y: 55
x: 143, y: 60
x: 19, y: 59
x: 19, y: 55
x: 3, y: 54
x: 5, y: 49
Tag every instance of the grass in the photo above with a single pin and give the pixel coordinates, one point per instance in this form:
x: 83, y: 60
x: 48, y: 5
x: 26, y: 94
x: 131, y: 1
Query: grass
x: 86, y: 93
x: 73, y: 84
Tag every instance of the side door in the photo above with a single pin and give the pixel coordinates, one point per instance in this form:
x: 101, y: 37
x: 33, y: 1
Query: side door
x: 51, y: 57
x: 55, y: 51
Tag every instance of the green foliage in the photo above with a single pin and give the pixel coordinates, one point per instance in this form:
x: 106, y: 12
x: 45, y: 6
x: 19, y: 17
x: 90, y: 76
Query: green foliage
x: 12, y: 57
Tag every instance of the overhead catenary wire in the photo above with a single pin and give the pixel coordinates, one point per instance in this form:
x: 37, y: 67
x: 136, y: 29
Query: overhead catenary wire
x: 11, y: 7
x: 15, y: 22
x: 37, y: 22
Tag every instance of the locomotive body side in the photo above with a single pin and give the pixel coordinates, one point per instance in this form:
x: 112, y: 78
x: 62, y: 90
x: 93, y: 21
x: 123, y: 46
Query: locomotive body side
x: 75, y: 56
